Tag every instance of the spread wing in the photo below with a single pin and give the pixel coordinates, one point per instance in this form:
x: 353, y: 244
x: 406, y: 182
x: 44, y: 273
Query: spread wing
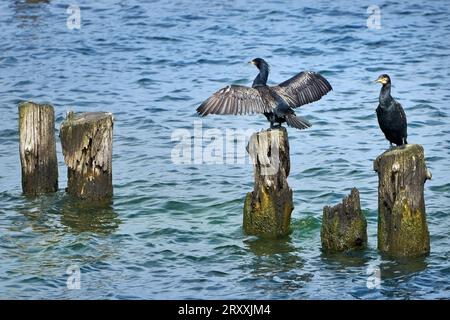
x: 304, y: 88
x: 234, y: 99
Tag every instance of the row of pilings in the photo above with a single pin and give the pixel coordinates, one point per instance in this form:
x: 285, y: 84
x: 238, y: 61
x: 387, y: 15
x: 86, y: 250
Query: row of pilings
x: 86, y: 140
x: 402, y: 225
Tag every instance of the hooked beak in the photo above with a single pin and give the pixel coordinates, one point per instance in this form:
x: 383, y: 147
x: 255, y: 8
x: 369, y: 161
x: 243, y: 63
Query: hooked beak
x: 252, y: 62
x: 378, y: 80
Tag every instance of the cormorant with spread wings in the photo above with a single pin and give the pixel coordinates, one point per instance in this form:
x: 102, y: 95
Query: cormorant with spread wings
x: 275, y: 102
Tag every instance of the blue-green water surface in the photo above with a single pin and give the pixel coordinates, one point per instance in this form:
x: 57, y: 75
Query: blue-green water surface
x: 174, y: 231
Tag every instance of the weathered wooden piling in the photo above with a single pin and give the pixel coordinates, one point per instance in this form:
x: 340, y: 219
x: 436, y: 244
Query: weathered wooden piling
x: 86, y: 140
x: 37, y: 148
x: 402, y: 225
x: 344, y: 226
x: 267, y: 210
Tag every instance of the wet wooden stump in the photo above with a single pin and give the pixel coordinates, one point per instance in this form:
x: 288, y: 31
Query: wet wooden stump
x: 267, y: 210
x: 344, y: 226
x: 37, y: 148
x: 402, y: 225
x: 86, y: 140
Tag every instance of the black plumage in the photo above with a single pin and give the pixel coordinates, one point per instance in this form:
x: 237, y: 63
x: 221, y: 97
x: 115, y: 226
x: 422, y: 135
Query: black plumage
x: 275, y: 102
x: 390, y: 114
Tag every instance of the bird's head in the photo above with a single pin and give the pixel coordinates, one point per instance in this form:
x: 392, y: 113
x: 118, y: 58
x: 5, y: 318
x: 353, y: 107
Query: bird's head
x: 260, y: 63
x: 384, y: 79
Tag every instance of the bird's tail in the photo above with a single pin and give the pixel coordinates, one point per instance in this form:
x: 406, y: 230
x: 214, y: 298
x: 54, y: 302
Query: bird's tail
x: 297, y: 122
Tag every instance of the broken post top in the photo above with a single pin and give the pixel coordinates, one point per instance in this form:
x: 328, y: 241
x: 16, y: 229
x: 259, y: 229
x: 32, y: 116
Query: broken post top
x: 349, y: 205
x: 85, y: 117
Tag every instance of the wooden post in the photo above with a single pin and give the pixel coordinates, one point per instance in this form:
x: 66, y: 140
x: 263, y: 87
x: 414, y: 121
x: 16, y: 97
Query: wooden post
x: 37, y: 148
x: 402, y: 225
x: 344, y: 226
x: 86, y: 140
x: 267, y: 210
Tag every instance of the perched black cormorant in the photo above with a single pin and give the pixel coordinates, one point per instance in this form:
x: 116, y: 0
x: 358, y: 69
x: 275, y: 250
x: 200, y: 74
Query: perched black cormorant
x: 390, y: 114
x: 275, y: 102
